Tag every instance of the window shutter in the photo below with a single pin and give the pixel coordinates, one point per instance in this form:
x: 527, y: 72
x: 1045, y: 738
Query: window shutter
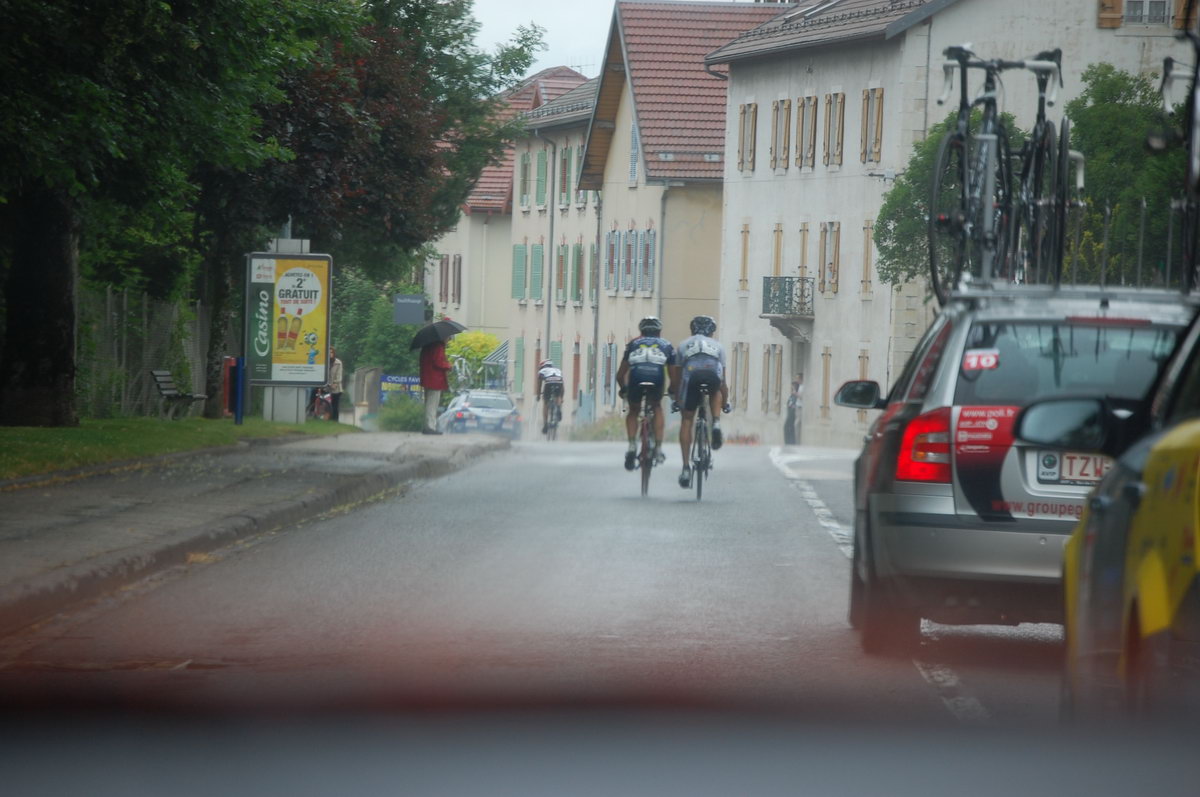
x: 836, y: 230
x: 822, y: 266
x: 753, y: 136
x: 444, y: 279
x: 538, y: 264
x: 576, y: 264
x: 877, y: 144
x: 458, y: 279
x: 611, y: 264
x: 828, y: 127
x: 839, y: 120
x: 593, y: 276
x: 518, y: 384
x: 567, y: 163
x: 800, y: 142
x: 560, y: 273
x: 744, y: 274
x: 524, y: 177
x: 811, y: 157
x: 777, y: 253
x: 580, y: 196
x: 1111, y: 12
x: 741, y: 137
x: 518, y: 271
x: 785, y: 147
x: 865, y: 126
x: 634, y: 152
x: 651, y: 254
x: 541, y: 178
x: 803, y: 250
x: 556, y: 353
x: 868, y: 234
x: 774, y: 152
x: 639, y: 239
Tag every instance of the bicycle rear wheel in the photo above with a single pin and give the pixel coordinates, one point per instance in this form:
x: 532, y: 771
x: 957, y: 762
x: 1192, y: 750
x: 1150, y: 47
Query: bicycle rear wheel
x: 948, y: 217
x: 700, y: 459
x: 646, y: 455
x: 1001, y: 207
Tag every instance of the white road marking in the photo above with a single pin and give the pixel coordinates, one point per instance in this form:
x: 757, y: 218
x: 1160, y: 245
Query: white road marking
x: 962, y: 706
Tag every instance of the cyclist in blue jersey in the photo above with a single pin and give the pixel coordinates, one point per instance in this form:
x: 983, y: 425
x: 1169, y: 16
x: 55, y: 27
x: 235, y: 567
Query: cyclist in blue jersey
x: 701, y: 361
x: 646, y: 359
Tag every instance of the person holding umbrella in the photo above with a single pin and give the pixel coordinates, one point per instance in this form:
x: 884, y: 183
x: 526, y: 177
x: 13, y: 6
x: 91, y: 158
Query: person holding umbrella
x: 431, y: 340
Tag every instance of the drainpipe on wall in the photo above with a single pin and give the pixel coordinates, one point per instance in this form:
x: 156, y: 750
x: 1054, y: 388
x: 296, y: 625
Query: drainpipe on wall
x: 551, y: 202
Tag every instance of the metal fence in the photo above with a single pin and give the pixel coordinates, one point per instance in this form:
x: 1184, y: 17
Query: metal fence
x: 1140, y: 244
x: 788, y: 296
x: 122, y: 335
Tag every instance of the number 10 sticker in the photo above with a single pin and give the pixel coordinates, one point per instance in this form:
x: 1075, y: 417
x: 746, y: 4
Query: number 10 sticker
x: 981, y: 359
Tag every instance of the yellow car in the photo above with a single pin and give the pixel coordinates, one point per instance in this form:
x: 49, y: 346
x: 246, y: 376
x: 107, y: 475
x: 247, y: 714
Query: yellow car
x: 1130, y: 586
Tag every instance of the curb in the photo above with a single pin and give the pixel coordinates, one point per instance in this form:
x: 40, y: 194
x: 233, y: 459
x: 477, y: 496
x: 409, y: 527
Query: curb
x: 35, y: 600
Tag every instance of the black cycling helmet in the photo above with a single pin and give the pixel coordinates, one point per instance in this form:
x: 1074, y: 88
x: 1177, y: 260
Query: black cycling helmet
x: 650, y: 325
x: 704, y: 325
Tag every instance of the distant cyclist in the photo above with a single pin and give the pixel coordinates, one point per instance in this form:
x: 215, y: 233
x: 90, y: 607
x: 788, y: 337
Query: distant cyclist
x: 702, y: 362
x: 549, y: 387
x: 646, y: 359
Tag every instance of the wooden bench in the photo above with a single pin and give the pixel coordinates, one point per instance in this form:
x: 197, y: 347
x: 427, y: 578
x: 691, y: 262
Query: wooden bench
x: 172, y: 397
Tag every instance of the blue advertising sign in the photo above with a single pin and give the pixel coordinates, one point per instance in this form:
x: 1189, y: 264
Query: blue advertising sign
x: 407, y: 386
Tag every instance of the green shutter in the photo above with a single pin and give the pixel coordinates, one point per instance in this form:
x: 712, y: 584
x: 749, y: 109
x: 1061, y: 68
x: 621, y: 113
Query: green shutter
x: 576, y: 268
x: 518, y: 271
x: 535, y: 281
x: 556, y: 353
x: 518, y: 385
x: 592, y: 277
x: 566, y: 197
x: 541, y: 178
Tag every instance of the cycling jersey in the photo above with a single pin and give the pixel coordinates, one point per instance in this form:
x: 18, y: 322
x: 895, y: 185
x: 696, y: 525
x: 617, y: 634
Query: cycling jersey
x: 703, y: 361
x: 550, y: 374
x: 648, y: 357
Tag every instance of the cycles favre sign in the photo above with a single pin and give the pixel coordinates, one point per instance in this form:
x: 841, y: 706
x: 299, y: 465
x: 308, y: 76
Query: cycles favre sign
x: 287, y: 318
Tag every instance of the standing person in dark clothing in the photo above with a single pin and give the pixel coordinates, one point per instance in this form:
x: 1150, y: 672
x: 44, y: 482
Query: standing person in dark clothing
x: 794, y: 403
x: 335, y: 384
x: 434, y: 368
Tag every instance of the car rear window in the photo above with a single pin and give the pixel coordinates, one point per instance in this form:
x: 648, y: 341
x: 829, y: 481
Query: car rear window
x: 490, y: 402
x: 1014, y: 363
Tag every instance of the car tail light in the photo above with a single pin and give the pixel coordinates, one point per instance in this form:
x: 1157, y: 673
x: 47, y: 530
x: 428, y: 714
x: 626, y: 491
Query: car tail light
x: 460, y: 415
x: 925, y: 448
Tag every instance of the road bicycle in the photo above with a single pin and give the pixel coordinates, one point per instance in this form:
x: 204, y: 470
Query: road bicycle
x: 701, y: 453
x: 646, y: 458
x: 971, y: 202
x: 553, y: 416
x: 1039, y: 214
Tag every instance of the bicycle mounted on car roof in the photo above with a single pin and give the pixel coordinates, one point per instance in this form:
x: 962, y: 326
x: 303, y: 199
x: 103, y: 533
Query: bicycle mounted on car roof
x: 975, y: 227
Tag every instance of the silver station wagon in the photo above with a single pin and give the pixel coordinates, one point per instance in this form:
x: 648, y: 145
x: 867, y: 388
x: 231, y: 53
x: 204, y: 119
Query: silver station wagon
x: 956, y: 520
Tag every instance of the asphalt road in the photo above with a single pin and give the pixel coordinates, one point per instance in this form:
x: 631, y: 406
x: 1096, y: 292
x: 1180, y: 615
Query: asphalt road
x: 540, y: 577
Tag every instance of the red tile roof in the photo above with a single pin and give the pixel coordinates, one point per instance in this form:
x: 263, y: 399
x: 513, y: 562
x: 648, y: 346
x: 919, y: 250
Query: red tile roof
x: 680, y: 106
x: 812, y: 24
x: 493, y: 190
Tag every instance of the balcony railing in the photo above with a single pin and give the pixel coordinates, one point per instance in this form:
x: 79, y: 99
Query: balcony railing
x: 788, y: 296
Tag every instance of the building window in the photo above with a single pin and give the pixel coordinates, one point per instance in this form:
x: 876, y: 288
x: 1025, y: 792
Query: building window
x: 634, y: 153
x: 649, y: 256
x: 611, y: 253
x: 541, y: 179
x: 835, y: 114
x: 803, y: 249
x: 747, y: 125
x: 457, y: 292
x: 560, y: 273
x: 777, y: 252
x: 744, y: 274
x: 1146, y: 12
x: 577, y: 271
x: 628, y: 259
x: 444, y: 279
x: 518, y: 383
x: 781, y: 133
x: 580, y: 196
x: 806, y: 131
x: 564, y: 177
x: 593, y: 274
x: 868, y: 254
x: 523, y: 181
x: 520, y: 259
x: 829, y: 251
x: 871, y: 129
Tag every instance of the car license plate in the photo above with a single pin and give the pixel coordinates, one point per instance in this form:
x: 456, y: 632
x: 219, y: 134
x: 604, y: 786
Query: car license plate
x: 1057, y: 467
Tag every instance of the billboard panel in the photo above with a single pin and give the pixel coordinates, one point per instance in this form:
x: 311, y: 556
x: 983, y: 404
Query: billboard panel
x: 287, y: 312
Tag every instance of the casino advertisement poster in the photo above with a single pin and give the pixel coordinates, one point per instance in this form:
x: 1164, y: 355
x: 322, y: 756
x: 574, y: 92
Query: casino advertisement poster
x: 287, y: 313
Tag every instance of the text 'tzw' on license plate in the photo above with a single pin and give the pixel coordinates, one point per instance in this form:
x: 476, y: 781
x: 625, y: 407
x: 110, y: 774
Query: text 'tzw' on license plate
x: 1056, y: 467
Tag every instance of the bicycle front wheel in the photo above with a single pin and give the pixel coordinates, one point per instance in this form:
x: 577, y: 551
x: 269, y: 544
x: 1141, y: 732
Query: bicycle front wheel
x: 1033, y: 249
x: 1061, y: 206
x: 948, y: 217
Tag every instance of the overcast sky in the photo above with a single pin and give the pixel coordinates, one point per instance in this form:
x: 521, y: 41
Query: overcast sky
x: 576, y: 30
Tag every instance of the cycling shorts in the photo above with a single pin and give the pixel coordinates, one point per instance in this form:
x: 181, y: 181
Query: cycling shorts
x: 634, y: 391
x: 693, y: 378
x: 551, y: 389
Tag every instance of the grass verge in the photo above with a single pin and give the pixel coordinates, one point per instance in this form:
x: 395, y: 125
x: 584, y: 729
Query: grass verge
x: 27, y: 451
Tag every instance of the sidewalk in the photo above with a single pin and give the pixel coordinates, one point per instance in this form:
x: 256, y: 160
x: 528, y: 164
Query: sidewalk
x: 71, y: 536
